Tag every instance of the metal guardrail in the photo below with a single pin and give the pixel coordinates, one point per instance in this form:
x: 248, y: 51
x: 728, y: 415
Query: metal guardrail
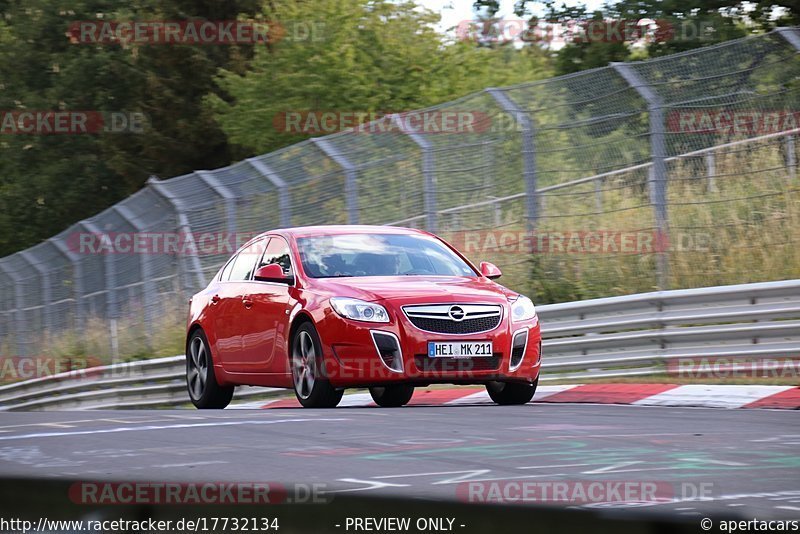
x: 633, y: 333
x: 143, y: 384
x: 625, y: 336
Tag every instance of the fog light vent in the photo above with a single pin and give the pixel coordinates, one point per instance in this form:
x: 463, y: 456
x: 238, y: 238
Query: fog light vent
x: 518, y: 346
x: 388, y: 348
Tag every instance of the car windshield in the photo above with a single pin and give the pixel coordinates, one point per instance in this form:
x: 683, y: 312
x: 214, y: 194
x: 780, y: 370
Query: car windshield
x: 379, y: 255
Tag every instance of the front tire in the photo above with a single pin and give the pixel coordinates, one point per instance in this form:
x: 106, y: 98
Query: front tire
x: 311, y: 387
x: 511, y: 393
x: 204, y: 391
x: 392, y: 396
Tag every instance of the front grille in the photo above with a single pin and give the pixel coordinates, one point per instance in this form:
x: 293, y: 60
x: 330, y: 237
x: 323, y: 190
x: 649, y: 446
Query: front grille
x: 426, y: 364
x: 455, y: 318
x: 446, y: 326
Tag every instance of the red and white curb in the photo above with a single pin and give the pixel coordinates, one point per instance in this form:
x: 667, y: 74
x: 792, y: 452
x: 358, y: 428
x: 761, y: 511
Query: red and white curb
x: 694, y: 395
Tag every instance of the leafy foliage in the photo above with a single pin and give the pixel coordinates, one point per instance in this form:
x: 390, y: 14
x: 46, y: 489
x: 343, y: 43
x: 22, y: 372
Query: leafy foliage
x: 371, y: 57
x: 50, y: 181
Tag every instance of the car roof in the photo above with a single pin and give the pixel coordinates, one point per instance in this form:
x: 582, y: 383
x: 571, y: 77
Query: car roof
x: 322, y: 230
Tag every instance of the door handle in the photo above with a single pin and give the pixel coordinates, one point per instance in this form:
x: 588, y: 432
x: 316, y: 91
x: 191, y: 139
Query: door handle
x: 215, y: 299
x: 247, y: 303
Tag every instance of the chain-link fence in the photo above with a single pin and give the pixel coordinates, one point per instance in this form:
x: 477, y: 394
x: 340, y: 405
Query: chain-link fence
x: 669, y: 173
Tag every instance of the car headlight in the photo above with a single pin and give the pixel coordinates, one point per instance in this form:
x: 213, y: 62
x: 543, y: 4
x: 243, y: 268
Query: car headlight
x: 522, y: 309
x: 359, y: 310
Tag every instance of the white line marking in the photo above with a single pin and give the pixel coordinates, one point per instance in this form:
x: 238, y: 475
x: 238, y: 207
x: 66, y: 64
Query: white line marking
x: 161, y: 427
x: 464, y: 475
x: 371, y: 484
x: 732, y: 497
x: 549, y: 466
x: 635, y: 470
x: 467, y: 474
x: 718, y: 462
x: 573, y: 436
x: 613, y: 467
x: 69, y: 424
x: 190, y: 464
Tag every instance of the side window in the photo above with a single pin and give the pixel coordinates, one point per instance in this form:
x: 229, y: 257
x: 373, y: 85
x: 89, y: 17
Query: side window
x: 277, y: 252
x: 244, y: 263
x: 226, y: 272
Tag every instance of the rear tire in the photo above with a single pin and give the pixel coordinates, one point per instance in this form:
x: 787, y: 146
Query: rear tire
x: 204, y: 391
x: 511, y: 393
x: 392, y: 396
x: 311, y: 386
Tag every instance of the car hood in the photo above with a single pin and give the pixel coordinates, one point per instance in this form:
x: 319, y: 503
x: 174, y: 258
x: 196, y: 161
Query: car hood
x: 415, y: 289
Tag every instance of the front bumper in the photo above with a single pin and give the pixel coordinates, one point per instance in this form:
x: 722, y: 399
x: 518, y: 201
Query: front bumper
x: 360, y: 354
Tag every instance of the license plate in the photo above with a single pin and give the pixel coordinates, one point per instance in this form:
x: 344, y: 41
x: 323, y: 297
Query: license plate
x: 459, y: 349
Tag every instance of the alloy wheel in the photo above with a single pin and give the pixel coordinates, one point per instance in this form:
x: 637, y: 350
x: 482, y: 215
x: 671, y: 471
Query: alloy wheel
x: 197, y: 372
x: 304, y: 362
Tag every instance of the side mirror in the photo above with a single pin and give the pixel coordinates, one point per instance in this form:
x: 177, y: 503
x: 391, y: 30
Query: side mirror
x: 273, y: 273
x: 490, y: 270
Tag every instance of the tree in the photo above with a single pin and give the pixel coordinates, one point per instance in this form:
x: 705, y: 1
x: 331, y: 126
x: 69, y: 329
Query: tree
x: 370, y: 56
x: 50, y: 181
x: 677, y: 25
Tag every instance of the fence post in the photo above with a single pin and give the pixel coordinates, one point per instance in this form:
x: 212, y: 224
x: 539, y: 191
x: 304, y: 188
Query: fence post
x: 19, y: 314
x: 108, y: 266
x: 793, y: 38
x: 711, y: 170
x: 350, y: 176
x: 228, y: 197
x: 284, y: 200
x: 183, y: 224
x: 528, y: 154
x: 144, y: 265
x: 428, y: 173
x: 44, y: 286
x: 598, y: 195
x: 77, y: 280
x: 658, y: 153
x: 7, y: 313
x: 790, y: 35
x: 112, y: 306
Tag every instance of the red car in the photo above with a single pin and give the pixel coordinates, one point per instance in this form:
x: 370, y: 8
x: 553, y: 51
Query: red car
x: 320, y: 309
